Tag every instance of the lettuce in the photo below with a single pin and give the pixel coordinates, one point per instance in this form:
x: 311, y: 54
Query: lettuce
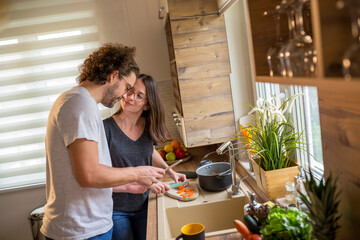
x: 286, y: 224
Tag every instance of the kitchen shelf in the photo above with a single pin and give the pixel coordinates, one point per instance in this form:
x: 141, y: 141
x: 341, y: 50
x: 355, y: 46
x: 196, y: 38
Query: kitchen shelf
x: 316, y: 82
x: 331, y: 32
x: 339, y: 98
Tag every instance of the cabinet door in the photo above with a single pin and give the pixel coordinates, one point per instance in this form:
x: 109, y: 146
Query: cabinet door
x: 200, y: 72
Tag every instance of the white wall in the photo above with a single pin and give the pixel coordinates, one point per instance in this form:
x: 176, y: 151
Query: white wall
x: 15, y: 209
x: 136, y: 23
x: 241, y: 75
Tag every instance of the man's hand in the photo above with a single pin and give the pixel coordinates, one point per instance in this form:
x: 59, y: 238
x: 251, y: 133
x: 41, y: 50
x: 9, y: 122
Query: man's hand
x: 148, y: 175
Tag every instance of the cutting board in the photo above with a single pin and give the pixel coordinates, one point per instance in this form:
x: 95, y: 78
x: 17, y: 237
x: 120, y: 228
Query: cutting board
x: 173, y: 193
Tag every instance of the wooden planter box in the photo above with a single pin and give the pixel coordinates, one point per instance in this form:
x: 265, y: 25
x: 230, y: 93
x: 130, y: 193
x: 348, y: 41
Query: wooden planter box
x: 273, y: 182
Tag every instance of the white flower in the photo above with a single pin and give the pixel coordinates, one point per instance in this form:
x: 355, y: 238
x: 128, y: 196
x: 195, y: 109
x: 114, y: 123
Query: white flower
x: 273, y: 110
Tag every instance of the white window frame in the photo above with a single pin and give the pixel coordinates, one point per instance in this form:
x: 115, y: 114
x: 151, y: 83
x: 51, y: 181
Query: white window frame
x: 301, y: 121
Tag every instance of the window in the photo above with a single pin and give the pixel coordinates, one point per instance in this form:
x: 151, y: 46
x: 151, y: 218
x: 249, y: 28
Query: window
x: 305, y: 116
x: 42, y: 43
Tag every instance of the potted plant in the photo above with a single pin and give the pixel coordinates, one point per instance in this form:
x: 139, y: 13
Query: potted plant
x: 272, y: 142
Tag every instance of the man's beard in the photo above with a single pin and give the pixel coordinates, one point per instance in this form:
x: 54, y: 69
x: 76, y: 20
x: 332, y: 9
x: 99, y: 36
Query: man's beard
x: 109, y: 97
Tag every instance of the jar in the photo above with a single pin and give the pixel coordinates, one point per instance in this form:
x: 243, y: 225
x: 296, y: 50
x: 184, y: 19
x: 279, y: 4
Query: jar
x: 290, y: 192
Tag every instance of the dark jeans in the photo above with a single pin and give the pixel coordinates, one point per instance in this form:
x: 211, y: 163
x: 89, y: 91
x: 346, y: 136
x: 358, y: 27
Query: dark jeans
x: 104, y: 236
x: 130, y: 225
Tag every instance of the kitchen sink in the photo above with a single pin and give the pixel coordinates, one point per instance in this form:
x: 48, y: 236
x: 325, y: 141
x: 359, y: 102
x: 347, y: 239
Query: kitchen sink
x: 215, y: 210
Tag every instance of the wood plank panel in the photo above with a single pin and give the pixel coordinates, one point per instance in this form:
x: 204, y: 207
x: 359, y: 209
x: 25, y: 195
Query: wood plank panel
x: 174, y: 77
x: 202, y: 107
x: 198, y: 39
x: 339, y: 106
x: 152, y: 223
x: 176, y: 88
x: 214, y: 53
x: 335, y: 25
x: 206, y: 70
x: 187, y: 8
x: 169, y: 39
x: 204, y: 87
x: 204, y: 122
x: 201, y: 56
x: 197, y: 24
x: 209, y: 136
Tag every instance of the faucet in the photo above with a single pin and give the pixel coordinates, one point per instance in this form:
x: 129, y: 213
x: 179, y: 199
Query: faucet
x: 235, y: 181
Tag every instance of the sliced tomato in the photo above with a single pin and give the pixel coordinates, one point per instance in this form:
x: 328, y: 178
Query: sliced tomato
x: 255, y: 237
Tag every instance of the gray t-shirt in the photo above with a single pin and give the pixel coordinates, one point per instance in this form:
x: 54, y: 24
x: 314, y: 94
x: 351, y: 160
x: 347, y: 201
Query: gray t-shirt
x: 71, y: 211
x: 125, y: 152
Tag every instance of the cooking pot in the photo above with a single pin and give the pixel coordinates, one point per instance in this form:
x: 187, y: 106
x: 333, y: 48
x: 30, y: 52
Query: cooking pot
x: 214, y: 176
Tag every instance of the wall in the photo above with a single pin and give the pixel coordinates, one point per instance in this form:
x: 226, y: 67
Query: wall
x: 131, y: 22
x: 241, y: 77
x: 136, y: 23
x: 15, y: 209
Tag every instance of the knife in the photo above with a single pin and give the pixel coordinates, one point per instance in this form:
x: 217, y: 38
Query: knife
x: 173, y: 165
x: 174, y: 185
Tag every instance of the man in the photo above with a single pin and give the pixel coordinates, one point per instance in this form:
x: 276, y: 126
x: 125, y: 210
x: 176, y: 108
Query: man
x: 79, y: 176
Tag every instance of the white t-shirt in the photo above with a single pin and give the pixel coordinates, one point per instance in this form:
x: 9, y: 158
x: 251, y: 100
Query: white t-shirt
x: 71, y: 211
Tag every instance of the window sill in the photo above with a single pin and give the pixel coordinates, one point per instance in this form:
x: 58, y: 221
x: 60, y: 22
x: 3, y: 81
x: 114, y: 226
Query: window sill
x: 243, y: 167
x: 24, y: 187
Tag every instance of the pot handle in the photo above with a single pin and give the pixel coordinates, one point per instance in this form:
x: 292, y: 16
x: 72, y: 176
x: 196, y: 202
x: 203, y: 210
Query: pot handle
x: 224, y: 174
x: 204, y: 161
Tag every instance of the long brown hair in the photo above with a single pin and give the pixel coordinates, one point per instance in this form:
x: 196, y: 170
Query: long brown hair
x: 155, y: 115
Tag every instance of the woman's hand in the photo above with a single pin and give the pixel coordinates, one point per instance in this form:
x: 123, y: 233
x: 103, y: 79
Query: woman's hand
x: 159, y: 187
x: 177, y: 177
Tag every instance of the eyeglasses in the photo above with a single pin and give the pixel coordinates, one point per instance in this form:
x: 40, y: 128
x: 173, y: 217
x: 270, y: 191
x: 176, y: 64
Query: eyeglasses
x: 128, y: 88
x: 139, y: 96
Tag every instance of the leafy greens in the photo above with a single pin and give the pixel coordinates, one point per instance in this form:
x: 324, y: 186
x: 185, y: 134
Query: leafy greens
x: 286, y: 224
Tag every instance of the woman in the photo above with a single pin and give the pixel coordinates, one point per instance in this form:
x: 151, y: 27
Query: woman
x: 132, y: 133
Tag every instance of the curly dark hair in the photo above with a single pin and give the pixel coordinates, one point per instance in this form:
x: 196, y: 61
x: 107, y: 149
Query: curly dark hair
x: 108, y: 58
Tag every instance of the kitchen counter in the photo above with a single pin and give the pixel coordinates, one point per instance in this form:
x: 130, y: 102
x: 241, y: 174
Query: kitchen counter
x: 197, y: 155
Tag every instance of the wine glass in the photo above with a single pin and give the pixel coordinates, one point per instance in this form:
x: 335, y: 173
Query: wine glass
x: 291, y: 25
x: 299, y: 54
x: 351, y: 57
x: 272, y: 54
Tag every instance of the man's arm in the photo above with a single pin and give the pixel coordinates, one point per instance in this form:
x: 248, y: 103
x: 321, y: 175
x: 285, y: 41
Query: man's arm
x: 133, y: 187
x: 89, y: 173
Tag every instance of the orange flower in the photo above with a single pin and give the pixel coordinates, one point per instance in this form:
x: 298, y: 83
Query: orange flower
x: 246, y: 132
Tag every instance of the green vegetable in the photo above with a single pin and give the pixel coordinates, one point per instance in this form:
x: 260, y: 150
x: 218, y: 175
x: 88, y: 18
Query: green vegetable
x: 286, y: 224
x: 189, y: 174
x: 251, y: 224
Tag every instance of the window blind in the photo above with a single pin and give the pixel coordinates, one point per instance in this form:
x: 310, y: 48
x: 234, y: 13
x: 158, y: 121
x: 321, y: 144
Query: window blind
x: 42, y: 43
